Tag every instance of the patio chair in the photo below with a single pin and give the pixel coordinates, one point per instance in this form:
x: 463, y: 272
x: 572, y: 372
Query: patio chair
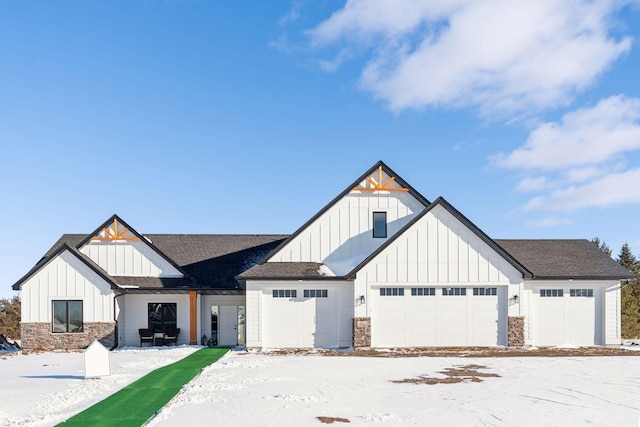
x: 171, y: 336
x: 146, y: 335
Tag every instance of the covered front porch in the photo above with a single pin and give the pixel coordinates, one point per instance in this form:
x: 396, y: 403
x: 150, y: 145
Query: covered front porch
x: 203, y: 316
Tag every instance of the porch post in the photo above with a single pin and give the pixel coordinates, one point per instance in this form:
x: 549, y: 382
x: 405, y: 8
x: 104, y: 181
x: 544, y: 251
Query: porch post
x: 193, y: 315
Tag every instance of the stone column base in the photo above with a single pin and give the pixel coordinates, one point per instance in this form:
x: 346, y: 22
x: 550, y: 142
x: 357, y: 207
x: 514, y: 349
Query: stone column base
x: 39, y: 336
x: 515, y: 331
x: 361, y: 332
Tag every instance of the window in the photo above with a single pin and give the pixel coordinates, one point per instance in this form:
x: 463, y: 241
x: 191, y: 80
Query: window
x: 67, y: 316
x: 387, y: 292
x: 454, y: 291
x: 581, y: 292
x: 423, y: 291
x: 315, y: 293
x: 551, y: 293
x: 485, y: 291
x: 379, y: 224
x: 162, y: 316
x: 285, y: 293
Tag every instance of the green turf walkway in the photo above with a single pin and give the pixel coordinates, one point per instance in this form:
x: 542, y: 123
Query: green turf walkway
x: 140, y: 400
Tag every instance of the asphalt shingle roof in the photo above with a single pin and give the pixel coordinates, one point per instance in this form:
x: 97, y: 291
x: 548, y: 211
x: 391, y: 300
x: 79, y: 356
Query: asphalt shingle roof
x: 285, y: 270
x: 564, y: 259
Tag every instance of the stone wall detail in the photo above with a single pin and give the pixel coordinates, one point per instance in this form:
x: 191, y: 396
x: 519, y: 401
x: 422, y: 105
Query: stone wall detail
x: 515, y: 331
x: 361, y: 332
x: 39, y: 336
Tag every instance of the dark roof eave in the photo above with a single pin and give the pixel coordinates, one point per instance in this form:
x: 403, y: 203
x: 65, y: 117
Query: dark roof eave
x: 566, y: 278
x: 297, y: 278
x: 460, y: 217
x: 138, y: 235
x: 346, y: 191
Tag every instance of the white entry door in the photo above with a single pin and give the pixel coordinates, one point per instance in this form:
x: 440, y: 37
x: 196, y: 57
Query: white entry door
x: 228, y: 325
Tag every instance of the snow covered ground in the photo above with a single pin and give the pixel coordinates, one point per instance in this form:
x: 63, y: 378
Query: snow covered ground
x: 256, y: 389
x: 44, y: 389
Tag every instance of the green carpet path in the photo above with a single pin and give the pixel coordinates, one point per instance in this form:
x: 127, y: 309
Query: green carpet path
x: 140, y: 400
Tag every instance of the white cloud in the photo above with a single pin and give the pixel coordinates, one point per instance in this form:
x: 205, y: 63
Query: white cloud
x: 501, y: 56
x: 611, y: 190
x: 586, y: 137
x: 580, y: 161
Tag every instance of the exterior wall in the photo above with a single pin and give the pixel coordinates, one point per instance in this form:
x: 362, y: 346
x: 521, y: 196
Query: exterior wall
x: 39, y: 336
x: 129, y: 258
x: 258, y: 294
x: 66, y: 278
x: 516, y: 331
x: 612, y: 315
x: 438, y: 250
x: 343, y: 236
x: 136, y: 309
x: 361, y: 332
x: 120, y: 318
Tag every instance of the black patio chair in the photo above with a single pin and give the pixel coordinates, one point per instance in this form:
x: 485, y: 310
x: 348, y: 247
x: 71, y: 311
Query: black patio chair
x: 146, y: 335
x: 171, y: 336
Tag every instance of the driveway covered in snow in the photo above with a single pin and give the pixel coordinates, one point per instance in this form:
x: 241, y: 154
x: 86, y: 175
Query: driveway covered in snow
x: 257, y: 389
x: 292, y: 390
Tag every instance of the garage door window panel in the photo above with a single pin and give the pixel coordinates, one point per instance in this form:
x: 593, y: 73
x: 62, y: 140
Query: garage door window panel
x: 551, y: 293
x: 423, y: 292
x: 588, y: 293
x: 316, y: 293
x: 454, y: 292
x: 284, y: 293
x: 485, y: 291
x: 387, y: 292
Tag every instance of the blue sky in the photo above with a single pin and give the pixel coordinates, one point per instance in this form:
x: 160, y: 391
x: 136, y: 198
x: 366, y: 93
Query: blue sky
x: 248, y: 117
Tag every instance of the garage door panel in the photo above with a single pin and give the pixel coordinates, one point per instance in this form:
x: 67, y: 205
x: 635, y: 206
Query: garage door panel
x: 436, y: 320
x: 300, y: 321
x: 567, y: 319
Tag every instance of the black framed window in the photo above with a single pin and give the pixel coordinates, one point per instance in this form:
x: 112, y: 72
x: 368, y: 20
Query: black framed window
x: 67, y: 316
x: 162, y: 316
x: 379, y: 224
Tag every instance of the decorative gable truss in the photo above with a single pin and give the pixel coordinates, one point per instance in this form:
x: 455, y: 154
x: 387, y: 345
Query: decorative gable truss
x: 121, y: 251
x: 341, y: 235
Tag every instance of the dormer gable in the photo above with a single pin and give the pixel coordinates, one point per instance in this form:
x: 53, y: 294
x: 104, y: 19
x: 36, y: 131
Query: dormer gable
x: 354, y: 224
x: 121, y: 251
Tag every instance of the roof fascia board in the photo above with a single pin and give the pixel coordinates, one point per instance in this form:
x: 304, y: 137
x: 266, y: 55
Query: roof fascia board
x: 440, y: 201
x: 135, y: 233
x: 346, y: 191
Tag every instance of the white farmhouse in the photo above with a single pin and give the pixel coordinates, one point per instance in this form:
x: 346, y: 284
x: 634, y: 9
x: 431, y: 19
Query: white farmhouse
x: 379, y: 266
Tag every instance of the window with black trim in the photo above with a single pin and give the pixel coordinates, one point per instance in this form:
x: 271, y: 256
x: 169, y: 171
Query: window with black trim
x: 379, y: 224
x: 581, y: 293
x: 423, y: 292
x: 485, y: 291
x: 67, y: 316
x: 387, y: 292
x: 316, y: 293
x: 454, y: 291
x: 162, y: 316
x: 284, y: 293
x: 551, y: 293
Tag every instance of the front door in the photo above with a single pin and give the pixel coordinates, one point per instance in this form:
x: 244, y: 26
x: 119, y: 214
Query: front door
x: 228, y: 325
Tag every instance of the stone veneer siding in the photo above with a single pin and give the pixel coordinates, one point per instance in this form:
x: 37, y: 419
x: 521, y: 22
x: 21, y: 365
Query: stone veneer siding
x: 39, y: 336
x: 515, y: 331
x: 361, y: 332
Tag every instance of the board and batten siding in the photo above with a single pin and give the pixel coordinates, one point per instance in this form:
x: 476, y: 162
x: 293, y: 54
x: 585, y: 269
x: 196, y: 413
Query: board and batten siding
x: 136, y: 314
x: 342, y: 236
x: 438, y: 249
x: 66, y: 278
x: 612, y: 315
x: 129, y: 258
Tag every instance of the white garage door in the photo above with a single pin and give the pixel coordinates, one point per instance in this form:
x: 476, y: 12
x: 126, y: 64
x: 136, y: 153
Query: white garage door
x: 567, y: 317
x: 436, y: 316
x: 300, y: 318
